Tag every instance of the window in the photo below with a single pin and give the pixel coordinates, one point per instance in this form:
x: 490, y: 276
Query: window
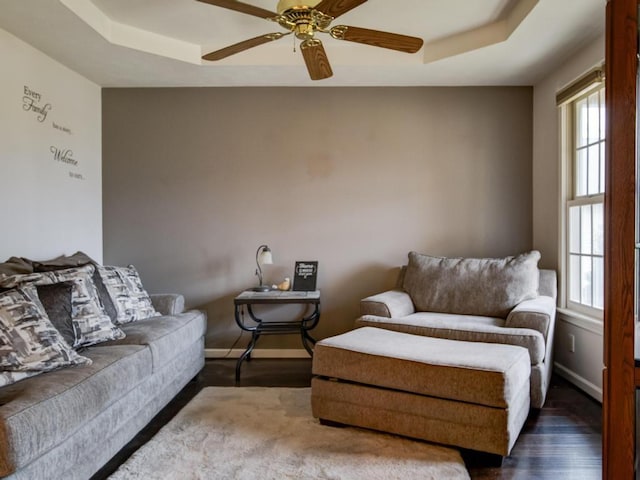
x: 584, y: 207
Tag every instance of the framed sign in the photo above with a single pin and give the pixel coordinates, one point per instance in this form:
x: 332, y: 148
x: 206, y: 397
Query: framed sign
x: 305, y: 276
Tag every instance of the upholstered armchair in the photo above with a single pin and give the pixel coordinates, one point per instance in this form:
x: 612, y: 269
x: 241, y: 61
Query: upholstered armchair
x: 508, y: 301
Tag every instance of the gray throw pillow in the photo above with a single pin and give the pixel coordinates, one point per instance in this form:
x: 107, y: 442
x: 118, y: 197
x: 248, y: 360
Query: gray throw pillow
x: 28, y: 340
x: 15, y: 266
x: 471, y: 286
x: 78, y: 259
x: 56, y: 300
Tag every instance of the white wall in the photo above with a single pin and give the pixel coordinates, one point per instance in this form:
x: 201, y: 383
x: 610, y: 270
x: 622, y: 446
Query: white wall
x: 584, y: 366
x: 52, y: 202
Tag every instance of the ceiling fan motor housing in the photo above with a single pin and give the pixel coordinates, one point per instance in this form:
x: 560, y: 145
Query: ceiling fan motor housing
x: 300, y: 17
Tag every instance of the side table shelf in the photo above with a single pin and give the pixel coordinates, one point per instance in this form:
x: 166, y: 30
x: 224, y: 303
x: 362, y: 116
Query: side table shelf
x: 259, y: 327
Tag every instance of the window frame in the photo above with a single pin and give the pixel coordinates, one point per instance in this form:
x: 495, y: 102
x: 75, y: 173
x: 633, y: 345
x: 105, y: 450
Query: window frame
x: 569, y: 198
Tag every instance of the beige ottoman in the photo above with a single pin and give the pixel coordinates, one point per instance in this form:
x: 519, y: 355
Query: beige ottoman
x: 467, y: 394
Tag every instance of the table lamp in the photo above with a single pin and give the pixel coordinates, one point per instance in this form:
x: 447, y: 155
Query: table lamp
x: 263, y: 256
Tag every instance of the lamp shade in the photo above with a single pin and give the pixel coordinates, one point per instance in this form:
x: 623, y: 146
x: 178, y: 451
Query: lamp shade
x: 265, y: 256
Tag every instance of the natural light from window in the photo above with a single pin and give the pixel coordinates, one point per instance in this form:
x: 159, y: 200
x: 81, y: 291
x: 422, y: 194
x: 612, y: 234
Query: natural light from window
x: 585, y: 229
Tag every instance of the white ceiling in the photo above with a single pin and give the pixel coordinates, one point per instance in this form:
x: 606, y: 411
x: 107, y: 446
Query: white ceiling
x: 145, y: 43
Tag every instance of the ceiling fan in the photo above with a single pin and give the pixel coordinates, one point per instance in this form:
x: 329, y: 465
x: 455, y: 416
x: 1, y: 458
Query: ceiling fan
x: 305, y: 18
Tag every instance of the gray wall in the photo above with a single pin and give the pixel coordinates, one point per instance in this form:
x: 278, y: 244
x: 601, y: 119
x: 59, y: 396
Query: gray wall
x: 194, y: 180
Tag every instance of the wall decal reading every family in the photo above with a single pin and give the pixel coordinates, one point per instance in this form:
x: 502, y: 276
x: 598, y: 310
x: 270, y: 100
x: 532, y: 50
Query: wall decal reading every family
x: 32, y: 101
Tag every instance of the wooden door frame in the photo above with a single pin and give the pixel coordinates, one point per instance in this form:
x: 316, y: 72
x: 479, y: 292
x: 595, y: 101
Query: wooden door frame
x: 618, y: 439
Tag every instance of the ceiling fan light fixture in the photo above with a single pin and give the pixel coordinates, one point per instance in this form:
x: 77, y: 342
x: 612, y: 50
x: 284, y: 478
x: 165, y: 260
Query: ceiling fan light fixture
x: 286, y: 5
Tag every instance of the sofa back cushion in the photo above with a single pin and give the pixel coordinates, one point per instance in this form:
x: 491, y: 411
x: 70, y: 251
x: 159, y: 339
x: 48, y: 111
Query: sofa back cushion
x: 471, y: 286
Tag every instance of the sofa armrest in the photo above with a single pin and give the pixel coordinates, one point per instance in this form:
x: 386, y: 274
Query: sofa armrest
x: 537, y: 314
x: 390, y: 304
x: 168, y: 303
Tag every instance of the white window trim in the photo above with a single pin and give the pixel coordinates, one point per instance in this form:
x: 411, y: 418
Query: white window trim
x: 581, y: 314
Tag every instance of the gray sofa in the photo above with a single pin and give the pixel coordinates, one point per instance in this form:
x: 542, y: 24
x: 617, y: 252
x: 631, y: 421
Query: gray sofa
x: 505, y: 301
x: 68, y: 423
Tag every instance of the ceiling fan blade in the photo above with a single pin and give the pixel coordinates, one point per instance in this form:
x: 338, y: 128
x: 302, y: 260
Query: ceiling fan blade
x: 316, y: 59
x: 242, y: 46
x: 335, y: 8
x: 242, y: 8
x: 376, y: 38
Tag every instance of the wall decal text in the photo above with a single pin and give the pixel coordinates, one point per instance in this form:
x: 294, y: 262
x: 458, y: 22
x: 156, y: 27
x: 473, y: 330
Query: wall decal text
x: 61, y: 128
x: 65, y: 156
x: 31, y: 103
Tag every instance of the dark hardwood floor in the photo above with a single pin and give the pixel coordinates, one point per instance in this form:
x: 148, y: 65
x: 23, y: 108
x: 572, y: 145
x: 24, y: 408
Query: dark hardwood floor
x: 561, y: 441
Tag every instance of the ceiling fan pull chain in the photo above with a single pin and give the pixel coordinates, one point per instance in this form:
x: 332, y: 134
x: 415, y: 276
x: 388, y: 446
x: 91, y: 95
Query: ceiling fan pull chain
x: 294, y: 44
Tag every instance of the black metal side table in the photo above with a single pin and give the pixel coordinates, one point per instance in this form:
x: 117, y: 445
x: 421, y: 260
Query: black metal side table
x: 259, y: 327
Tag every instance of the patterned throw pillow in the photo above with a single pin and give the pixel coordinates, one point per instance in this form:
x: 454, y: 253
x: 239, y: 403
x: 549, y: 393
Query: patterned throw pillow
x: 28, y: 340
x: 131, y: 300
x: 78, y: 259
x: 7, y: 378
x: 91, y: 324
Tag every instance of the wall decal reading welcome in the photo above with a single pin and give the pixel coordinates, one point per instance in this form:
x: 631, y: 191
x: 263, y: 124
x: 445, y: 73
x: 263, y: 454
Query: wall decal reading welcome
x: 65, y: 156
x: 31, y: 103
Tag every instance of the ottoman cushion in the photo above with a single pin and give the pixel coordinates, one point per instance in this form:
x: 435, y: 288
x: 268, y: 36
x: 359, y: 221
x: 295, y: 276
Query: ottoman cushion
x: 472, y: 372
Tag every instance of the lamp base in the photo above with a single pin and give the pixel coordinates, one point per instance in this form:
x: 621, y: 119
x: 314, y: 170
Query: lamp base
x: 261, y: 288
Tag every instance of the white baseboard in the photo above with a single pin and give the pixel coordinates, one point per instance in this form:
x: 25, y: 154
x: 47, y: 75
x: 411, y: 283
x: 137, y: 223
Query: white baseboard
x: 579, y: 381
x: 257, y: 353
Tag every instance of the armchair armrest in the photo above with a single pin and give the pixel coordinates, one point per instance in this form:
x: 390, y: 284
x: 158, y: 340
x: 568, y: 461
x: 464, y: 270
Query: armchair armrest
x: 537, y: 314
x: 168, y: 303
x: 390, y: 304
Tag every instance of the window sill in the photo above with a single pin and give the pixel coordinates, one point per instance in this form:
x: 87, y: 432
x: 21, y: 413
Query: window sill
x: 581, y: 320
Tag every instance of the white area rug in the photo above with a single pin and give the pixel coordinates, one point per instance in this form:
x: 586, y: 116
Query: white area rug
x: 269, y: 433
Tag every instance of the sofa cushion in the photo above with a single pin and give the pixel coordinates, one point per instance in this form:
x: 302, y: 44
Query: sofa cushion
x: 91, y: 323
x: 28, y: 340
x: 41, y: 412
x: 472, y: 286
x: 462, y: 327
x: 129, y: 297
x: 165, y: 335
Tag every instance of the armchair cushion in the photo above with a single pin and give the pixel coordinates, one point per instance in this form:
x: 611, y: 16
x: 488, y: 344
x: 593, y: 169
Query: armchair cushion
x: 471, y: 286
x: 467, y: 328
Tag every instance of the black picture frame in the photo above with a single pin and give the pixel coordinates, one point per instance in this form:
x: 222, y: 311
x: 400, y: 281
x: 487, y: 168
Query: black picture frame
x: 305, y: 276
